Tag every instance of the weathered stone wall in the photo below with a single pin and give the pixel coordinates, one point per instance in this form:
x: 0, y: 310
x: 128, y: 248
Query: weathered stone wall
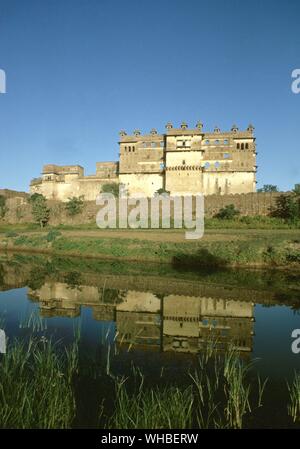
x: 13, y: 193
x: 144, y: 183
x: 89, y: 187
x: 256, y: 203
x: 19, y: 211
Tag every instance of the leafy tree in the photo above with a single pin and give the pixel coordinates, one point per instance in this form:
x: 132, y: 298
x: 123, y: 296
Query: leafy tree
x: 74, y: 205
x: 296, y: 189
x: 228, y: 212
x: 34, y: 197
x: 3, y: 208
x: 287, y: 207
x: 40, y: 209
x: 268, y: 188
x: 111, y: 187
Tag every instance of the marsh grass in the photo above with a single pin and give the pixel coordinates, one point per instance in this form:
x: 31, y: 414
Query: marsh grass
x: 237, y: 391
x: 151, y: 408
x: 224, y: 390
x: 33, y: 322
x: 294, y: 393
x: 35, y: 385
x: 221, y: 394
x: 43, y: 382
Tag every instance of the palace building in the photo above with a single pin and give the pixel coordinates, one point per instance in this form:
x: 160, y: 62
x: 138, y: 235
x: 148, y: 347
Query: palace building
x: 181, y: 161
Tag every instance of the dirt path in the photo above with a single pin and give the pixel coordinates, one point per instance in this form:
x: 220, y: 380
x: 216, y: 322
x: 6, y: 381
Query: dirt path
x: 151, y: 235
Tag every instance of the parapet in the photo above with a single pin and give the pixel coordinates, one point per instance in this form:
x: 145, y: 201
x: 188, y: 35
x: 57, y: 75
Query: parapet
x: 52, y: 169
x: 107, y: 169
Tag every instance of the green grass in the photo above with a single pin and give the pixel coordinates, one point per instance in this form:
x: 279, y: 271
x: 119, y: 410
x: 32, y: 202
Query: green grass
x: 35, y: 386
x: 156, y: 408
x: 294, y: 393
x: 22, y: 227
x: 256, y: 248
x: 222, y: 394
x: 252, y: 222
x: 244, y: 222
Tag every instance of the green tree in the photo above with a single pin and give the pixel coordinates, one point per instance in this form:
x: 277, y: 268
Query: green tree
x: 287, y: 207
x: 228, y: 212
x: 3, y: 208
x: 268, y: 188
x: 74, y: 205
x: 111, y: 187
x: 40, y: 210
x: 296, y: 189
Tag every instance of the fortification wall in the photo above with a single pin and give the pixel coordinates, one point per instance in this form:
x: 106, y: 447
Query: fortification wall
x: 19, y: 211
x: 146, y: 184
x: 89, y: 187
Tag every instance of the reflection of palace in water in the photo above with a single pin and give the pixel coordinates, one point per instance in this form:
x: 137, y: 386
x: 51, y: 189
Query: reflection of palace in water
x: 163, y: 322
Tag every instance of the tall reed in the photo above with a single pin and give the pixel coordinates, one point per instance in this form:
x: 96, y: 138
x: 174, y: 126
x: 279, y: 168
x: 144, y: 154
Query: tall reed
x: 294, y: 392
x: 35, y: 388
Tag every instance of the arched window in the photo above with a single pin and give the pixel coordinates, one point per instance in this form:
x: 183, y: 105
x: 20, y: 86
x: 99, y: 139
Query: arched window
x: 242, y: 146
x: 238, y: 146
x: 247, y: 146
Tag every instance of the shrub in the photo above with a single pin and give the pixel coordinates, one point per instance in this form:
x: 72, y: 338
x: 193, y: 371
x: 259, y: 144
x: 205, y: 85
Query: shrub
x: 11, y: 234
x: 287, y: 207
x: 228, y: 212
x: 52, y: 235
x: 75, y: 205
x: 111, y: 188
x: 3, y: 208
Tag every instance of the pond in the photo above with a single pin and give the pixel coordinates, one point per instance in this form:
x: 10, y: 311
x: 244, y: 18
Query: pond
x: 154, y: 328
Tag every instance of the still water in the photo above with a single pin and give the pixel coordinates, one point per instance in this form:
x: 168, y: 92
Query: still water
x: 156, y: 318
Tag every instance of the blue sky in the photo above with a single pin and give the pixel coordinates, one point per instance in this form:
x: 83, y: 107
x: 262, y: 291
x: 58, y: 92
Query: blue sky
x: 78, y: 71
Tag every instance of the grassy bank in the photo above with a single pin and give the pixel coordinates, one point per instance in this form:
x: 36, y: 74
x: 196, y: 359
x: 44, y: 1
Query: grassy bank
x: 239, y: 222
x: 261, y: 248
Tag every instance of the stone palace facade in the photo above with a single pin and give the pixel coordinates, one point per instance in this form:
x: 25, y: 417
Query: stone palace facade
x: 181, y: 161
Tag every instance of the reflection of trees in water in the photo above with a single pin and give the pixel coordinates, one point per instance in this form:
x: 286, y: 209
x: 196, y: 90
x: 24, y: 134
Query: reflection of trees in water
x: 111, y: 295
x: 37, y: 278
x: 74, y: 280
x: 1, y: 275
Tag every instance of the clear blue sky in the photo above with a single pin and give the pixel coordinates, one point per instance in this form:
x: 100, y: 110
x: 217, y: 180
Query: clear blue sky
x: 78, y: 71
